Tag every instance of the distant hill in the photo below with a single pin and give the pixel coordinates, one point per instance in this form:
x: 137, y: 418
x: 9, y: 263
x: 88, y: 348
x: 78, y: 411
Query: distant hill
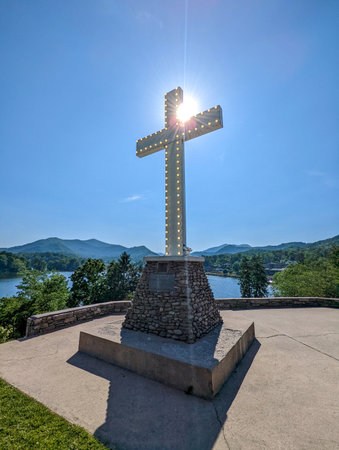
x: 91, y: 248
x: 326, y: 242
x: 233, y: 248
x: 222, y: 249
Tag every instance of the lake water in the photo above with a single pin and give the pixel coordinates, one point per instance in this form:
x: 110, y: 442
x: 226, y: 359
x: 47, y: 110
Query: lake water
x: 222, y: 287
x: 8, y: 285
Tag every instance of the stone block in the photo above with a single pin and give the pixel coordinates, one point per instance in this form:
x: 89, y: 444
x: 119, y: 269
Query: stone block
x: 70, y: 319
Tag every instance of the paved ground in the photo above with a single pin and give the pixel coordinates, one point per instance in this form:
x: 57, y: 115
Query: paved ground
x: 283, y: 395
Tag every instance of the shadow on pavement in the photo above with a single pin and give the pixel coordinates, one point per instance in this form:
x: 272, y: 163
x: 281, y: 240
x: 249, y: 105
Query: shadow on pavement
x: 144, y: 414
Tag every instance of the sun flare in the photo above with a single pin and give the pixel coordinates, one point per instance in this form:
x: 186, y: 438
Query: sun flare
x: 187, y: 109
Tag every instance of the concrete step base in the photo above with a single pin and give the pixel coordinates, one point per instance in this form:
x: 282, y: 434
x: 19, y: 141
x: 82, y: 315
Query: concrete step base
x: 199, y: 369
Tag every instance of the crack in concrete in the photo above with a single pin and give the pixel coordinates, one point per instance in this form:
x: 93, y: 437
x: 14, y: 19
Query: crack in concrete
x: 303, y: 343
x: 313, y: 348
x: 316, y: 335
x: 221, y: 426
x: 272, y: 336
x: 301, y: 336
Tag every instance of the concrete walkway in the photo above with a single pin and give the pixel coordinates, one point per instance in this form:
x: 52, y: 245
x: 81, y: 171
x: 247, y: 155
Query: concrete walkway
x: 283, y: 395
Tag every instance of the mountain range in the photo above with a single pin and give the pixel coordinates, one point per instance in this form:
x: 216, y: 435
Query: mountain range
x: 234, y: 248
x: 92, y: 248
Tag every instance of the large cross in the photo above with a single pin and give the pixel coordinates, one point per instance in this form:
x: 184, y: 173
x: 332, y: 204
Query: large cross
x: 172, y: 138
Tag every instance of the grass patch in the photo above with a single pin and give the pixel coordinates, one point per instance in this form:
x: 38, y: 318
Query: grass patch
x: 27, y: 424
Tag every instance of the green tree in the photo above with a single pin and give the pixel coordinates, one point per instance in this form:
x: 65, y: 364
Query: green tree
x: 121, y: 279
x: 333, y: 256
x: 14, y: 313
x: 258, y: 277
x: 54, y: 294
x: 87, y: 282
x: 317, y: 278
x: 38, y: 264
x: 45, y: 292
x: 6, y: 333
x: 12, y: 264
x: 245, y: 278
x: 252, y: 277
x: 3, y: 262
x: 51, y: 261
x: 37, y: 293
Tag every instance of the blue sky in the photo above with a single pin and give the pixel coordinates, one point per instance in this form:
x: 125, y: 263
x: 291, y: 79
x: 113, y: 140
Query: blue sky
x: 81, y: 80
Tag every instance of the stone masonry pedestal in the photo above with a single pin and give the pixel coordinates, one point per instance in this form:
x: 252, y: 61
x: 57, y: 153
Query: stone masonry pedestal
x: 173, y: 299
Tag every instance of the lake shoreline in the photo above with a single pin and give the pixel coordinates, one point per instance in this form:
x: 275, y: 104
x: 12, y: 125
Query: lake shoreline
x: 7, y: 276
x: 221, y: 275
x: 221, y: 286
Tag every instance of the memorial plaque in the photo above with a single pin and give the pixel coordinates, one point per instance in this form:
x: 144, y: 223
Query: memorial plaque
x: 161, y: 282
x: 162, y: 267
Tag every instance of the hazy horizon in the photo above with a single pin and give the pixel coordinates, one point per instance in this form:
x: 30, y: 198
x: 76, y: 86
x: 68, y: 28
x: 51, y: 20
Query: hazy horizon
x: 160, y: 251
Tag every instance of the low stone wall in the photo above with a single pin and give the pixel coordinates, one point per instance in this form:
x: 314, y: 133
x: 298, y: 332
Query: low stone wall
x: 44, y: 323
x: 275, y: 302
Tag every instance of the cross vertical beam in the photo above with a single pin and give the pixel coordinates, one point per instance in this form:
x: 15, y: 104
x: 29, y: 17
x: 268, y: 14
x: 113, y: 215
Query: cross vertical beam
x: 175, y: 201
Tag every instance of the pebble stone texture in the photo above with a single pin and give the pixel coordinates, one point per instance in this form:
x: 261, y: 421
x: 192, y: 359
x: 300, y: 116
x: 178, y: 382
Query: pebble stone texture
x: 173, y: 300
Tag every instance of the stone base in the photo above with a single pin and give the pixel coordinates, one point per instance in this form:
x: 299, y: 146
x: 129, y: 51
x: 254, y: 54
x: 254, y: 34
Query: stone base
x: 173, y: 299
x: 199, y: 369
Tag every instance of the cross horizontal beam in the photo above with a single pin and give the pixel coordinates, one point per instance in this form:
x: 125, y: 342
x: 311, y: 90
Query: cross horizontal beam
x: 152, y: 143
x: 197, y: 125
x: 203, y: 123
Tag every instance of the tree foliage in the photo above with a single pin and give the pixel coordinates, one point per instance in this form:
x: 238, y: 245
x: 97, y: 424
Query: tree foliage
x: 252, y: 277
x: 312, y: 278
x: 87, y: 282
x: 14, y: 313
x: 53, y: 261
x: 245, y: 277
x: 16, y: 264
x: 6, y: 333
x: 229, y: 264
x: 46, y: 292
x: 121, y: 278
x: 38, y: 293
x: 93, y: 282
x: 11, y: 264
x: 258, y: 277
